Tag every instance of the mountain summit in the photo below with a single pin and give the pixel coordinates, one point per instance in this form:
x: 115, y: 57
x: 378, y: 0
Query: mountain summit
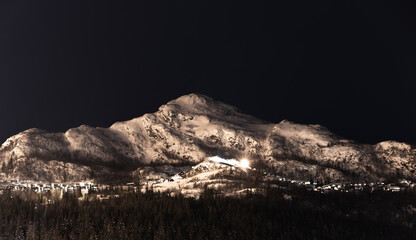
x: 188, y: 130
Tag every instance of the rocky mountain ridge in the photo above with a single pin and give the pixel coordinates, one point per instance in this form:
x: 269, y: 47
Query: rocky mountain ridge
x: 186, y: 131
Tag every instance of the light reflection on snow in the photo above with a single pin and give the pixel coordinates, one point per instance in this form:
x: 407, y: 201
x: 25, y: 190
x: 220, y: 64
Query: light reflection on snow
x: 244, y: 163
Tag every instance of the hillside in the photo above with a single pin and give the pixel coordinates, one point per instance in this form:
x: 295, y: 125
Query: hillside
x: 188, y: 130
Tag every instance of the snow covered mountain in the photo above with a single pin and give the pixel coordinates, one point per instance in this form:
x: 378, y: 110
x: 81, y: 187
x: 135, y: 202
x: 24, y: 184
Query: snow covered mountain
x: 188, y: 130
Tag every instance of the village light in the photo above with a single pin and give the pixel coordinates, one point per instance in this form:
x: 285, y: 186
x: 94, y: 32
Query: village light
x: 244, y: 163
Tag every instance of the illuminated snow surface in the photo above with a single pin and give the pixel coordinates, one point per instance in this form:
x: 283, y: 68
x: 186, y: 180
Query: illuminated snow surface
x: 230, y: 162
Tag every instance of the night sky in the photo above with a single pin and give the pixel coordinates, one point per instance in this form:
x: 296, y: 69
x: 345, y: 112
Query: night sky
x: 347, y: 65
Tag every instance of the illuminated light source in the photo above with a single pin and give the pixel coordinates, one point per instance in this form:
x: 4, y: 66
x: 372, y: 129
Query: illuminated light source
x: 244, y: 163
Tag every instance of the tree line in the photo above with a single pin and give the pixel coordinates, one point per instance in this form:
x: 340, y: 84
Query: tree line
x: 274, y: 214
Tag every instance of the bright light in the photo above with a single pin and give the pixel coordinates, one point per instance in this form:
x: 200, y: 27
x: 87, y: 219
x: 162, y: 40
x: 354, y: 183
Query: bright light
x: 244, y: 163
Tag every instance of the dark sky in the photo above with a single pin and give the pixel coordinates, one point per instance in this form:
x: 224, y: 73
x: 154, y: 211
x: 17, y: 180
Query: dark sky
x: 348, y: 65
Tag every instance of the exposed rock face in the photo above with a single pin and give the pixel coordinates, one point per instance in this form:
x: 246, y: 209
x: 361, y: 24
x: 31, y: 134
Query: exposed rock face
x: 191, y: 128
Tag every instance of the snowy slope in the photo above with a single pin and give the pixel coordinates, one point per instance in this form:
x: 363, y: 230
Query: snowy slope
x: 191, y: 128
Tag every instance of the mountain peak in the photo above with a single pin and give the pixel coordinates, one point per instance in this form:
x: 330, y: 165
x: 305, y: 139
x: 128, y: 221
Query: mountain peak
x: 192, y: 99
x: 197, y: 103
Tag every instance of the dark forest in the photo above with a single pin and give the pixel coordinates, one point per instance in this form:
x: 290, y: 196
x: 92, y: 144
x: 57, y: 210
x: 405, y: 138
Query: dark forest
x: 272, y: 214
